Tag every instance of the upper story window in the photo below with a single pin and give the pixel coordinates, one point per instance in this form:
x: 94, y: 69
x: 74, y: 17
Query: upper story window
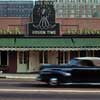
x: 12, y: 9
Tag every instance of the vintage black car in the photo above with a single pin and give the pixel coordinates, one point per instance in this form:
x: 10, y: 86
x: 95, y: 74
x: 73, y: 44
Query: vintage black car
x: 83, y: 70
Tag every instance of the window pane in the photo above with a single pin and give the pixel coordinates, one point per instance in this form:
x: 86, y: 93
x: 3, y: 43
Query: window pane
x: 60, y: 57
x: 41, y: 57
x: 26, y: 57
x: 45, y: 57
x: 20, y: 57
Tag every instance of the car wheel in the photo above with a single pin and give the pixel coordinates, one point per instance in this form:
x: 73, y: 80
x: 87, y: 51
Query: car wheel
x: 53, y: 81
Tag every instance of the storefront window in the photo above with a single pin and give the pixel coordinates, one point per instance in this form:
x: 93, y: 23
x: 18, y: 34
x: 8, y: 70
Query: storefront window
x: 97, y: 53
x: 62, y: 57
x: 4, y: 58
x: 73, y: 54
x: 66, y: 57
x: 82, y: 53
x: 89, y: 53
x: 43, y: 57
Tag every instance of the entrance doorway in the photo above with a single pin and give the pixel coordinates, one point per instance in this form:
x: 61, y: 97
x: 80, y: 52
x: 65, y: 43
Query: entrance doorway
x: 22, y: 61
x: 34, y: 61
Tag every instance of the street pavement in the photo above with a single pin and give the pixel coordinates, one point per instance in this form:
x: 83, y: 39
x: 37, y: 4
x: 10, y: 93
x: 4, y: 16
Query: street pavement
x: 46, y: 96
x: 29, y: 89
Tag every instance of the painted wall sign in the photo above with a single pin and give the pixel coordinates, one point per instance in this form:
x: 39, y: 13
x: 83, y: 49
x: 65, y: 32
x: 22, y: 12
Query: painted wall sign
x: 43, y: 19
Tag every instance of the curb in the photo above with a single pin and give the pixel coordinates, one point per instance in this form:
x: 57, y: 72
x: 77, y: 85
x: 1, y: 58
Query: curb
x: 17, y: 77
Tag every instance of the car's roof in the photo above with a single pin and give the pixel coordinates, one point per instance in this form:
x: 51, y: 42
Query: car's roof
x: 88, y: 58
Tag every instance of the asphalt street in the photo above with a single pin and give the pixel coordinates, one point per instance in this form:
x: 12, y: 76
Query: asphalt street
x: 23, y: 89
x: 47, y: 96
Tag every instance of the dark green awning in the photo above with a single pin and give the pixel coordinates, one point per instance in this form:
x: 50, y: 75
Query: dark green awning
x: 44, y: 43
x: 86, y: 42
x: 49, y: 43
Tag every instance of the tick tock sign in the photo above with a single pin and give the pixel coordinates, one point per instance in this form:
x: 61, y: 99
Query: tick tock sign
x: 43, y: 19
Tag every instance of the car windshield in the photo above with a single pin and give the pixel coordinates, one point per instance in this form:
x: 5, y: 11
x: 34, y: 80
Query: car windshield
x: 86, y: 63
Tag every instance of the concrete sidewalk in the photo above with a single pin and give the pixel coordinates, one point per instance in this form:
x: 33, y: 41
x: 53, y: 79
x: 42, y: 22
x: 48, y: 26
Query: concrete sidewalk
x: 18, y: 76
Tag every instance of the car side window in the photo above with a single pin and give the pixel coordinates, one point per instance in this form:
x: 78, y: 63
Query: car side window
x: 86, y: 63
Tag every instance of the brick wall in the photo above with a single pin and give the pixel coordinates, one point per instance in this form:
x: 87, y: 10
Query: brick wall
x: 13, y: 22
x: 82, y: 23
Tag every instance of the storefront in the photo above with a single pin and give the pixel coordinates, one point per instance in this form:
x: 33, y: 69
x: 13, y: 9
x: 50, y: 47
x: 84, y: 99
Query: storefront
x: 25, y: 55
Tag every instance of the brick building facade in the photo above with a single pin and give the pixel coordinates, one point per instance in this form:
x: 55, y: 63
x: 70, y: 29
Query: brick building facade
x: 65, y: 24
x: 78, y: 24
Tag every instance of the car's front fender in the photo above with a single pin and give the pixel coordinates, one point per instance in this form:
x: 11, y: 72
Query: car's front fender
x: 60, y: 72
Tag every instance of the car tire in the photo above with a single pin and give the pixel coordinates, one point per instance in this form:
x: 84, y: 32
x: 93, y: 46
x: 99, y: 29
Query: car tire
x: 54, y: 81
